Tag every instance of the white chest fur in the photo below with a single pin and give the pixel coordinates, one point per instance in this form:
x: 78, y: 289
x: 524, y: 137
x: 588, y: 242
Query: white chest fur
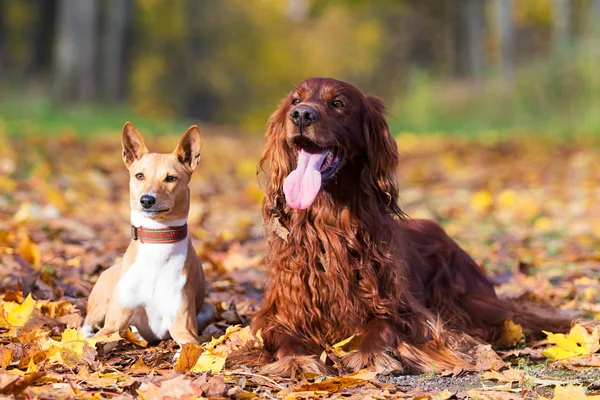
x: 154, y: 283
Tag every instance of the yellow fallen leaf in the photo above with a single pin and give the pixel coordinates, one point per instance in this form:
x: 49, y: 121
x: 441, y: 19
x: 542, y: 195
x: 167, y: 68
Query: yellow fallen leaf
x: 15, y: 314
x: 482, y: 201
x: 346, y: 346
x: 72, y: 348
x: 579, y: 342
x: 218, y: 349
x: 572, y: 392
x: 507, y: 198
x: 344, y: 342
x: 56, y: 197
x: 31, y: 366
x: 511, y: 333
x: 29, y: 250
x: 444, y: 395
x: 209, y: 362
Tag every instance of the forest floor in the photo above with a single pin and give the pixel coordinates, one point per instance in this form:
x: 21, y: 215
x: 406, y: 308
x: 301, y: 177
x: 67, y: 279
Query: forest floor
x: 526, y: 209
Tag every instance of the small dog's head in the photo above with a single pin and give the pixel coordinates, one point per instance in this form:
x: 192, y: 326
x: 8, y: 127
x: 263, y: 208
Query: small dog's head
x: 158, y: 183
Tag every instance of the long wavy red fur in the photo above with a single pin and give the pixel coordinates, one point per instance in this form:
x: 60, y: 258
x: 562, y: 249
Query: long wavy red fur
x: 354, y: 264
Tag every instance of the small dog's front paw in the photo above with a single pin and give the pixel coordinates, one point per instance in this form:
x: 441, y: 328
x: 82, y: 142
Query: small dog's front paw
x: 379, y: 362
x: 176, y: 355
x: 290, y: 366
x: 87, y: 331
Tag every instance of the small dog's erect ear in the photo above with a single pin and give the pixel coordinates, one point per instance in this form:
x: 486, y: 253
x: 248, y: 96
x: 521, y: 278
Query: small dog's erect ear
x: 134, y: 147
x: 188, y: 149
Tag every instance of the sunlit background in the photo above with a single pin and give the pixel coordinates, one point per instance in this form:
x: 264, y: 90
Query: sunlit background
x: 441, y: 65
x: 495, y: 106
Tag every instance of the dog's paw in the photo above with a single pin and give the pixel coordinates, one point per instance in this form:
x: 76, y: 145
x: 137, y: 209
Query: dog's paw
x: 379, y: 362
x: 87, y: 331
x: 176, y: 355
x: 290, y: 366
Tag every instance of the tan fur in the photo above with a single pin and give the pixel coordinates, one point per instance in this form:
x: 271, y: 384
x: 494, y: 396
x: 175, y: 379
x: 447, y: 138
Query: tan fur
x: 104, y: 306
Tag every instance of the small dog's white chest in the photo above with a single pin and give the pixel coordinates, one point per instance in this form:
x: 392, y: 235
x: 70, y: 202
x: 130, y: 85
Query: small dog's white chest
x: 154, y: 284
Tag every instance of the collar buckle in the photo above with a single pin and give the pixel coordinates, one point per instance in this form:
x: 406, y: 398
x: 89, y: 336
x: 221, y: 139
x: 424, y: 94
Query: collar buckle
x: 134, y: 233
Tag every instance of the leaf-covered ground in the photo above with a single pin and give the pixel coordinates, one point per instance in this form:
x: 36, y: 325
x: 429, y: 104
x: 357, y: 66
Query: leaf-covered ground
x: 527, y: 210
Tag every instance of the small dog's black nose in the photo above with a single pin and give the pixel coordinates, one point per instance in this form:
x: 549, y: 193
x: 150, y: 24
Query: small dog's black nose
x: 303, y: 115
x: 147, y: 201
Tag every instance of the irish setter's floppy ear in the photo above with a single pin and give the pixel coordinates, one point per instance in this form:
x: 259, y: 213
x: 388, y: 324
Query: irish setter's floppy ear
x: 382, y: 153
x: 276, y: 160
x: 188, y: 149
x: 134, y: 147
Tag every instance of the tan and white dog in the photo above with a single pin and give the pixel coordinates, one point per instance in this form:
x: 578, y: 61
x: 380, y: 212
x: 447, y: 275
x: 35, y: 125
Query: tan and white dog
x: 159, y: 285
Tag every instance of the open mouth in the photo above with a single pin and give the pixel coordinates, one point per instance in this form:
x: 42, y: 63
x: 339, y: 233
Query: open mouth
x: 328, y: 159
x: 315, y: 165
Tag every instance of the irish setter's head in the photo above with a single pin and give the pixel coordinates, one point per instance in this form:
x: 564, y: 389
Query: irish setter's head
x: 328, y: 137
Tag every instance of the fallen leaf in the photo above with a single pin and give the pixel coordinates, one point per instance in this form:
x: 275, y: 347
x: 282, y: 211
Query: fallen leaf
x: 132, y: 338
x: 29, y: 250
x: 6, y: 356
x: 510, y: 375
x: 188, y: 356
x: 71, y: 349
x: 16, y: 386
x: 511, y: 333
x: 572, y: 392
x: 577, y: 343
x: 15, y: 314
x: 209, y: 362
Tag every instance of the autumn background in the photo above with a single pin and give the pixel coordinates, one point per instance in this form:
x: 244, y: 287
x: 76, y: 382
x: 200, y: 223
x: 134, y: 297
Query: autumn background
x: 495, y: 105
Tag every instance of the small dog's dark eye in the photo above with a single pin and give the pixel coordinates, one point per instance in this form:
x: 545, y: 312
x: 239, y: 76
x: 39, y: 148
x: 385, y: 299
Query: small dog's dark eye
x: 170, y: 178
x: 139, y: 176
x: 337, y: 104
x: 296, y: 101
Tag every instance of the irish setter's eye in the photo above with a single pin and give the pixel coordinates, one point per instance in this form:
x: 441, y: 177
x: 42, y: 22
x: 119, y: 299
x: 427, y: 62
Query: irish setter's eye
x: 337, y: 104
x: 296, y: 101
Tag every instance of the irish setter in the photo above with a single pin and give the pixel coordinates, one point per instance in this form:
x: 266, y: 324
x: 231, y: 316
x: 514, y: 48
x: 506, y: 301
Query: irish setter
x: 353, y: 263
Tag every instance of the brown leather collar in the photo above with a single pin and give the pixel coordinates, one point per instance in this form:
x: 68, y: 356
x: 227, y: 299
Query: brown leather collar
x: 166, y: 235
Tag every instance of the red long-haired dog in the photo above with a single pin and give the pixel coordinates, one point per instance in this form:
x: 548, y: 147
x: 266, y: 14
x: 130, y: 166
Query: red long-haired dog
x: 352, y: 263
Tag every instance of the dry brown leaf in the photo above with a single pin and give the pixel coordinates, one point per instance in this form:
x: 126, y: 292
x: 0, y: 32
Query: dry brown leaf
x: 188, y: 357
x: 6, y: 356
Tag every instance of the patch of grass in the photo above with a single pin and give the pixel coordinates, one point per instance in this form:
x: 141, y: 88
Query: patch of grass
x: 39, y: 116
x: 559, y: 96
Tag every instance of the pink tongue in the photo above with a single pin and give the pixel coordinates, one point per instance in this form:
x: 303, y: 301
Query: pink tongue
x: 303, y: 184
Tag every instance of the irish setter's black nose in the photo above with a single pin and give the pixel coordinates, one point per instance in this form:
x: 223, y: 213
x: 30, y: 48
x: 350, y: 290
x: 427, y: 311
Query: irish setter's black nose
x: 147, y: 201
x: 303, y: 115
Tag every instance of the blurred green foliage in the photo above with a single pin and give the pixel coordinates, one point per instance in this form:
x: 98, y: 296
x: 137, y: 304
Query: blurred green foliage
x: 229, y: 62
x: 559, y: 95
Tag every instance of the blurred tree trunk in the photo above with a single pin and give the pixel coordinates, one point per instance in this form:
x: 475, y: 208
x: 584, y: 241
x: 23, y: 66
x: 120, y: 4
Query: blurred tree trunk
x: 43, y: 38
x: 76, y: 50
x: 593, y: 23
x: 505, y: 32
x: 562, y: 14
x: 115, y: 39
x: 2, y: 38
x: 199, y: 101
x: 470, y: 35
